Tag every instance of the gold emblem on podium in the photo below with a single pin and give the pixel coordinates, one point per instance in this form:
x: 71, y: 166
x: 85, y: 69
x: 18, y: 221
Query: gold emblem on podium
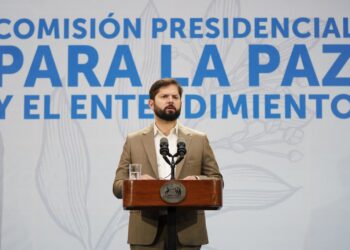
x: 173, y: 192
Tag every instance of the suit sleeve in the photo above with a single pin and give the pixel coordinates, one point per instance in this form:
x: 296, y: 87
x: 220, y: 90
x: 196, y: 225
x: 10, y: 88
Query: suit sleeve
x: 210, y: 168
x: 122, y: 172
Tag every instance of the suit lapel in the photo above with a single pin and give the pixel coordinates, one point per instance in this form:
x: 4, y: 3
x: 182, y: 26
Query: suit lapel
x: 148, y: 144
x: 186, y: 135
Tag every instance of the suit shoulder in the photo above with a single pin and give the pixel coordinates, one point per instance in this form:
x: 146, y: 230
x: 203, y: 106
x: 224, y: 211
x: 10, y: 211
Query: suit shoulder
x: 193, y: 131
x: 138, y: 133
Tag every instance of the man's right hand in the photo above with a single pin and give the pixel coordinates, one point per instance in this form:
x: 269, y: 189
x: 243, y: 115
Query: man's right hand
x: 146, y: 177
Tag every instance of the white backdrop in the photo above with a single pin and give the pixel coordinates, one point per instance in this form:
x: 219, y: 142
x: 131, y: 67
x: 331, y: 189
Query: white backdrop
x: 286, y: 180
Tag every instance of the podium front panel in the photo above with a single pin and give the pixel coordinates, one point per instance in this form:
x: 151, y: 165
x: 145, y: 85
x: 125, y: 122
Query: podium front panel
x: 200, y: 194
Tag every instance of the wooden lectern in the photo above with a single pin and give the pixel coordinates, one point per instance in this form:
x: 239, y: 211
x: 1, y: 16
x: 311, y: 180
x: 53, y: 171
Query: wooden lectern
x: 195, y: 194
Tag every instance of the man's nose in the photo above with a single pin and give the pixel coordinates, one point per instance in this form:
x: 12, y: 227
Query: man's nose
x: 170, y: 99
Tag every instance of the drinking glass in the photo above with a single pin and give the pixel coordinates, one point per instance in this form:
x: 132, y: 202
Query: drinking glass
x: 134, y: 171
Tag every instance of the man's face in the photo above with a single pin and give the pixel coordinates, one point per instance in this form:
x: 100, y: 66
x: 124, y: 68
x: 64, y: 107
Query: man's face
x: 167, y: 103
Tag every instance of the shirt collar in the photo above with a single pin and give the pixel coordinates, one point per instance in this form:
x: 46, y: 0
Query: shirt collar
x: 174, y: 130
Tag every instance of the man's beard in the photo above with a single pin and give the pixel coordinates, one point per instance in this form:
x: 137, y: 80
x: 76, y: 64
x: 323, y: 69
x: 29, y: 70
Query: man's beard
x: 167, y: 116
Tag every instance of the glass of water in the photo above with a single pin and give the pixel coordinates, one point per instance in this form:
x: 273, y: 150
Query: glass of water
x: 134, y: 171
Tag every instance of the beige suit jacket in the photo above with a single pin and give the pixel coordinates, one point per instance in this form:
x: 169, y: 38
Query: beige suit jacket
x: 200, y: 161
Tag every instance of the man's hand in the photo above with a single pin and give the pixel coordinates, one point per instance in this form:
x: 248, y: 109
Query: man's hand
x: 146, y: 177
x: 191, y: 177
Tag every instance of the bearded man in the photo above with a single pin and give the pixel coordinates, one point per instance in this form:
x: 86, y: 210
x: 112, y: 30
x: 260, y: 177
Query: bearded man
x: 148, y: 228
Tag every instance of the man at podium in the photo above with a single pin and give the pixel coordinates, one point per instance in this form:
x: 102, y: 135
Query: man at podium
x: 147, y: 228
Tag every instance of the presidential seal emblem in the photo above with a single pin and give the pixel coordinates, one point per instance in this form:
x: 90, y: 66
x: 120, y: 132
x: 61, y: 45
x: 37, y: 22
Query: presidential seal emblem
x: 173, y: 192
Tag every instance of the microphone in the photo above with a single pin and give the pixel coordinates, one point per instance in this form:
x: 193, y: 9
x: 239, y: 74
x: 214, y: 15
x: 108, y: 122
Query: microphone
x: 164, y: 149
x: 181, y: 148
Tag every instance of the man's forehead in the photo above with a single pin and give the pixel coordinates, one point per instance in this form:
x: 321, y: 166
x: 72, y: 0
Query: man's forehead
x: 170, y: 89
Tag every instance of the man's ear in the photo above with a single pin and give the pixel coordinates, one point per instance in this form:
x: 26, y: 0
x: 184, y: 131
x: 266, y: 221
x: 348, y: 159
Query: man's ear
x: 151, y: 104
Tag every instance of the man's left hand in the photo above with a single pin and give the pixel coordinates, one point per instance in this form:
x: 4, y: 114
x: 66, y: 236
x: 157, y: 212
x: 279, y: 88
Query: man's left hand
x: 191, y: 177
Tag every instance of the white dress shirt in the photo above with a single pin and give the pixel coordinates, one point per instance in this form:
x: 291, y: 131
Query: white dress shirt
x: 164, y: 169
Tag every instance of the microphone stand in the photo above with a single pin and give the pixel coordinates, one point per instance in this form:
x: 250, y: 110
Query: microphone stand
x: 172, y: 163
x: 171, y: 216
x: 172, y: 166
